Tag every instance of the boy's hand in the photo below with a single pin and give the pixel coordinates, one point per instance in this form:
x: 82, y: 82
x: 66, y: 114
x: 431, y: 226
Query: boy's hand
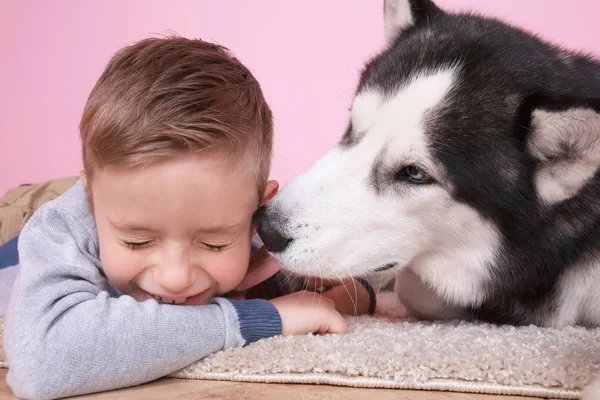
x: 350, y: 296
x: 308, y: 312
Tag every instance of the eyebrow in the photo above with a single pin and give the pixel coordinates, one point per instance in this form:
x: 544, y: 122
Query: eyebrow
x: 219, y: 229
x: 133, y: 227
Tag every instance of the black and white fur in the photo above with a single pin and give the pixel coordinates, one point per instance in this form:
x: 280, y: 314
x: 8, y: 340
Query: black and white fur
x: 507, y: 127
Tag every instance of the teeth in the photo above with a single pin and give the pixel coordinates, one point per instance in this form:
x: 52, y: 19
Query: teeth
x: 169, y: 301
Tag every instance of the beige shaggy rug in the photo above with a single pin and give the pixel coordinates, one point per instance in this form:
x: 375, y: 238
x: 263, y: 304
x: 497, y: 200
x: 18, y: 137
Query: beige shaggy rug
x: 385, y: 352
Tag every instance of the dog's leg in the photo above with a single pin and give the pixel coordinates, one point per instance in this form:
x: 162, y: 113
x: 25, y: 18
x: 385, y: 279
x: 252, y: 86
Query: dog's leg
x: 420, y: 301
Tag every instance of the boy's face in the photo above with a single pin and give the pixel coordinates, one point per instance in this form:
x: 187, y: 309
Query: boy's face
x: 179, y: 230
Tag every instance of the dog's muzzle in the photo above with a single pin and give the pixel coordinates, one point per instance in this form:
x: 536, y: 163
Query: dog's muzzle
x: 270, y: 225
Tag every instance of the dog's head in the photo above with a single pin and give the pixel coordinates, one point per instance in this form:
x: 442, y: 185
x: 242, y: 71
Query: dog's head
x: 461, y: 133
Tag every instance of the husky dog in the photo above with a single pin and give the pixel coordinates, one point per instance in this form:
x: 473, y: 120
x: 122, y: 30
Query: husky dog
x: 469, y: 168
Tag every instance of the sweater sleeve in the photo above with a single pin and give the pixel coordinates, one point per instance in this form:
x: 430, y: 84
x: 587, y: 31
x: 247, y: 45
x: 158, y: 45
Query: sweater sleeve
x: 66, y: 333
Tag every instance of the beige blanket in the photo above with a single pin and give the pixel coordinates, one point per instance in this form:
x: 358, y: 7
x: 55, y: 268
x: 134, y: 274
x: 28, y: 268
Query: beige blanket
x: 385, y: 352
x: 19, y: 203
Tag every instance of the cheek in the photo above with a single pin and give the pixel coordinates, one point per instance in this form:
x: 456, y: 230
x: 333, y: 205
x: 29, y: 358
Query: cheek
x: 230, y: 268
x: 118, y: 263
x: 426, y: 204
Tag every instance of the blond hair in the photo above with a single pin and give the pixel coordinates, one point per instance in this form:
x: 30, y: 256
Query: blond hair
x: 164, y: 96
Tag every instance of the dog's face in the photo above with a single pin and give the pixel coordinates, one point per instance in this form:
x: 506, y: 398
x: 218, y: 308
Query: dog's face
x: 445, y: 159
x: 381, y: 197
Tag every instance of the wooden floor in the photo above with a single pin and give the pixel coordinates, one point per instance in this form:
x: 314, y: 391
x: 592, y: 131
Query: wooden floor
x: 199, y: 389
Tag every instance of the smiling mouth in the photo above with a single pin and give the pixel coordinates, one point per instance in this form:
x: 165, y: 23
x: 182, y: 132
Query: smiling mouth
x: 385, y: 267
x: 182, y: 301
x: 164, y: 300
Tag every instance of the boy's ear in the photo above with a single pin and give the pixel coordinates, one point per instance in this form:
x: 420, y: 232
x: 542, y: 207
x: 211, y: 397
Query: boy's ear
x: 83, y: 177
x: 400, y: 15
x: 270, y: 191
x: 88, y: 190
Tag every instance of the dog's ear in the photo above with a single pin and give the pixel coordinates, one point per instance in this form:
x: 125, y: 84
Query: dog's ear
x: 562, y: 137
x: 400, y: 15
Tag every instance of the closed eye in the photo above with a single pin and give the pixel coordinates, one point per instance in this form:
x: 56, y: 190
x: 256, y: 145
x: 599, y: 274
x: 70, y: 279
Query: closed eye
x: 137, y: 245
x: 216, y: 248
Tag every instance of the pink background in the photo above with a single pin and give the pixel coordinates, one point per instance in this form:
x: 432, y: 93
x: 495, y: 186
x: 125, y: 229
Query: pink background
x: 307, y: 55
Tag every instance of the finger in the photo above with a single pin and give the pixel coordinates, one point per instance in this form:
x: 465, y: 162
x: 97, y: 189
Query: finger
x: 323, y: 301
x: 335, y: 323
x: 329, y: 302
x: 316, y: 301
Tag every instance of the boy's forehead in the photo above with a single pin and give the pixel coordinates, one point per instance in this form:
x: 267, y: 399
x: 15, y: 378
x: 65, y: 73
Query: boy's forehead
x: 181, y: 189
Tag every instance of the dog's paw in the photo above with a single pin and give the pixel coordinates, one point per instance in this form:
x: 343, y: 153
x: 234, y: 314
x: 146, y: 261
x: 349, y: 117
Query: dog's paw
x: 389, y: 305
x: 592, y: 391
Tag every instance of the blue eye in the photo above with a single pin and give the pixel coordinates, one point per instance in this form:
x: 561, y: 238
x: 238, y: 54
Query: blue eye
x: 414, y: 174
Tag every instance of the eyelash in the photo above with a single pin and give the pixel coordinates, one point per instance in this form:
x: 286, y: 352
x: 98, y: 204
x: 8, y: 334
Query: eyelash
x: 136, y: 246
x: 215, y: 248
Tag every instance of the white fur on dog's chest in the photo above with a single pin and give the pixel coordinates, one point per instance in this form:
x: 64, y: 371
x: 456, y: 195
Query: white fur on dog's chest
x: 578, y: 301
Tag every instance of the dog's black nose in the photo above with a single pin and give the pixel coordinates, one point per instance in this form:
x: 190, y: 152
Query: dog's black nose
x: 270, y: 229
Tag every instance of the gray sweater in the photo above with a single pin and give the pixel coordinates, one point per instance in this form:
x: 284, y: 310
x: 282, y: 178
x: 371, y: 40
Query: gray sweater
x: 68, y: 331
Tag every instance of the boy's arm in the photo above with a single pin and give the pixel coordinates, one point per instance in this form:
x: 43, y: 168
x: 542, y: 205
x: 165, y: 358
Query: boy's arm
x: 64, y: 335
x: 351, y: 296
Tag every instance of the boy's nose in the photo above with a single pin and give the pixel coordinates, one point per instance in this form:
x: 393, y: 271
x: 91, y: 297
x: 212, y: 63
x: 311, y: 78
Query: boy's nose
x: 269, y: 225
x: 175, y: 280
x: 176, y: 277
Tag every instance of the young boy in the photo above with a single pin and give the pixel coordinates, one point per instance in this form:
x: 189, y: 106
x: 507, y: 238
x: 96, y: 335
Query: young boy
x: 124, y: 278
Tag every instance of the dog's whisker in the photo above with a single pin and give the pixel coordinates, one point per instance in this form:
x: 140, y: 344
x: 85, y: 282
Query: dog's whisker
x: 321, y: 286
x: 354, y: 302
